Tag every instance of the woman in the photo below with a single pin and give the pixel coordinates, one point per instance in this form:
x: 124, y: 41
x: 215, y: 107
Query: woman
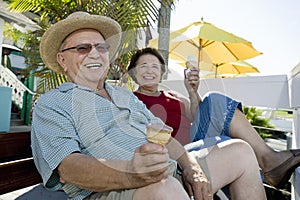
x: 216, y: 115
x: 175, y: 111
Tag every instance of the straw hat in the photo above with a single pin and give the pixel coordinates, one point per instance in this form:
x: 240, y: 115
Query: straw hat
x: 55, y: 35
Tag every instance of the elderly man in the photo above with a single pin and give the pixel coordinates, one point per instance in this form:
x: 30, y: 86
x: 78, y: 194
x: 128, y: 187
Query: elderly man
x: 89, y: 138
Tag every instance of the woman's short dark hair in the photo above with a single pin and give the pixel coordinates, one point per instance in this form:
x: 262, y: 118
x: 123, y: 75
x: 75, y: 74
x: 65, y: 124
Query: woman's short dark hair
x: 144, y: 51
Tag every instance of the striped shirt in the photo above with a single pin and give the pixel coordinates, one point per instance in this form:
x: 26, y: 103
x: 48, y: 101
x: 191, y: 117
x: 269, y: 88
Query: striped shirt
x: 73, y: 118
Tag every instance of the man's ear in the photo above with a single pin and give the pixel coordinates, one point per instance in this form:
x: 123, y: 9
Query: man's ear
x: 61, y: 61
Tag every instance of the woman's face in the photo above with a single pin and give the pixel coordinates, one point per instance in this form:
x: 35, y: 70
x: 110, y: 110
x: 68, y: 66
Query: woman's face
x: 148, y: 70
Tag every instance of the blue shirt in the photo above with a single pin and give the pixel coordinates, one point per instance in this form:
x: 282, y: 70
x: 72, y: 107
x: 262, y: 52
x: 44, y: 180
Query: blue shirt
x: 73, y: 118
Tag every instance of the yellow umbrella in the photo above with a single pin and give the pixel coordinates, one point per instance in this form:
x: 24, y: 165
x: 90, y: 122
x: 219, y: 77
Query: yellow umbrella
x: 208, y: 44
x: 237, y: 67
x: 228, y: 69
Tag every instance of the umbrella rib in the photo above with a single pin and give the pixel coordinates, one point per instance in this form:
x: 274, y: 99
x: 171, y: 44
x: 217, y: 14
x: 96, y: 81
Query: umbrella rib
x: 174, y: 47
x: 237, y: 69
x: 207, y: 43
x: 193, y: 43
x: 230, y: 51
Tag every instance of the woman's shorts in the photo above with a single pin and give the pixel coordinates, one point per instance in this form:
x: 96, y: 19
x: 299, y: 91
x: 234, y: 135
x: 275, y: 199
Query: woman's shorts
x: 213, y: 117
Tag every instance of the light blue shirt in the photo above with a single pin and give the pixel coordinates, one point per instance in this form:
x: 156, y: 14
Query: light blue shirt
x: 73, y: 118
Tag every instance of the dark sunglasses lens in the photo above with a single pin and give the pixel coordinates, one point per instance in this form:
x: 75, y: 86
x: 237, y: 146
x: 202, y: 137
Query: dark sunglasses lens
x: 84, y: 48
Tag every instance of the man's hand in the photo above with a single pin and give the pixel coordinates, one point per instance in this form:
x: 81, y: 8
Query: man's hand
x: 148, y: 165
x: 196, y: 183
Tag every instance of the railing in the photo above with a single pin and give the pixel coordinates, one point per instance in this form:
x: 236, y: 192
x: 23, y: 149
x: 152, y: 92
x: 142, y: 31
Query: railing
x: 276, y: 92
x: 21, y: 95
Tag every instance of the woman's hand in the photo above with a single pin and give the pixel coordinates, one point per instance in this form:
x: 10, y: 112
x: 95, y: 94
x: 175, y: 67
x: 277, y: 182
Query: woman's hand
x: 148, y: 165
x: 197, y: 183
x: 191, y: 81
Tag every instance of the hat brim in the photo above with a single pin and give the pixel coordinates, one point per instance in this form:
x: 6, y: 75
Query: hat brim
x: 55, y: 35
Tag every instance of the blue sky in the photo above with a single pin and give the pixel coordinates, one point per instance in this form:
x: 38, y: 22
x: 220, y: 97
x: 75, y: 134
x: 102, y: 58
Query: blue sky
x: 273, y: 27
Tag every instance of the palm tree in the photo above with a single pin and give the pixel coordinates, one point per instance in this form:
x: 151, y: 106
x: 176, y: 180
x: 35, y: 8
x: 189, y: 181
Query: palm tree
x: 164, y: 31
x: 132, y: 15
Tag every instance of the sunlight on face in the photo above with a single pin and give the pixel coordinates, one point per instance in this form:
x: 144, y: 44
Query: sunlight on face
x: 84, y: 68
x: 148, y: 70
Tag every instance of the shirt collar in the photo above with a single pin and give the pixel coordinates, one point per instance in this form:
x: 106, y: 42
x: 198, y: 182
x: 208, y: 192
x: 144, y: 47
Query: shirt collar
x: 67, y: 86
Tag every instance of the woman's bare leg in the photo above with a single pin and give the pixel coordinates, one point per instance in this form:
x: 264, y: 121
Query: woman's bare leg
x: 266, y: 156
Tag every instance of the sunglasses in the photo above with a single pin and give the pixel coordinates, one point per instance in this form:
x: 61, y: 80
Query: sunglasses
x: 86, y: 48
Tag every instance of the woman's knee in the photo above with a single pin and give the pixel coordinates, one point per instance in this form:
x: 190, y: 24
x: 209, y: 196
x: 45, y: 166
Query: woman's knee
x: 216, y: 97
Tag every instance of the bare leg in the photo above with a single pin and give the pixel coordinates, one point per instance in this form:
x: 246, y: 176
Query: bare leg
x: 278, y: 166
x: 168, y: 189
x: 237, y: 167
x: 266, y: 156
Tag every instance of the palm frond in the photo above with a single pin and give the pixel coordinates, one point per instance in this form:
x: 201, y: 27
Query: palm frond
x: 132, y: 15
x: 49, y: 80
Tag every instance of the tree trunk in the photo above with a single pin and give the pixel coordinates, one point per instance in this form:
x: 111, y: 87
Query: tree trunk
x: 164, y: 32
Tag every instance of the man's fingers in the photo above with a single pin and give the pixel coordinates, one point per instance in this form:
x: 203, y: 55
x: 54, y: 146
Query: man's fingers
x: 151, y: 148
x: 189, y: 190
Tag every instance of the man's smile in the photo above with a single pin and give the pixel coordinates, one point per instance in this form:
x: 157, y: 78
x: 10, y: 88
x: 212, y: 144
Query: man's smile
x: 94, y: 66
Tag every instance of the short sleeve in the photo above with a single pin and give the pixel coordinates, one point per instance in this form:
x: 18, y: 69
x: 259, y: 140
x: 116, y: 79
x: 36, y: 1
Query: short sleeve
x: 53, y: 136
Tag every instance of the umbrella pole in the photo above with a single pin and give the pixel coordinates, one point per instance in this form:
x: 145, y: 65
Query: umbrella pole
x: 199, y: 52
